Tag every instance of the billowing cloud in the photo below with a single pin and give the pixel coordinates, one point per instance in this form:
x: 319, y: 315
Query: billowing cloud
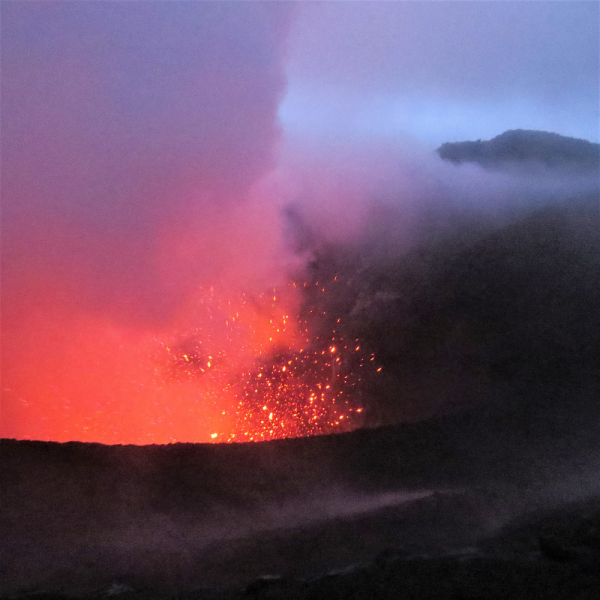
x: 132, y: 137
x: 126, y: 123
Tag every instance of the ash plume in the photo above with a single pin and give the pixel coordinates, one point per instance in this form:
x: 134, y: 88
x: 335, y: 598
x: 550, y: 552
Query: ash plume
x: 133, y: 139
x: 460, y: 280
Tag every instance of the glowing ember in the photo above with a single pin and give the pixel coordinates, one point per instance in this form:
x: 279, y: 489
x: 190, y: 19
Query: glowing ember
x: 279, y: 382
x: 231, y: 367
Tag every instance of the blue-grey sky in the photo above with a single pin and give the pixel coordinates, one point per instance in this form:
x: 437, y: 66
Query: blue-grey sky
x: 442, y: 71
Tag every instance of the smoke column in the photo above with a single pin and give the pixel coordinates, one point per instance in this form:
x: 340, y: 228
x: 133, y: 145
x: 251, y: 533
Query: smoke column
x: 134, y: 138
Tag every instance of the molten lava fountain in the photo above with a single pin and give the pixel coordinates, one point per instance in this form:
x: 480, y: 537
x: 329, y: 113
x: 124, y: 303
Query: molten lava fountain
x: 254, y: 360
x: 231, y: 367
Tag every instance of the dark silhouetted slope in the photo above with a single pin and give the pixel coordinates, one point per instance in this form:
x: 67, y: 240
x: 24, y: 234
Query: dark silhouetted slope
x: 526, y: 148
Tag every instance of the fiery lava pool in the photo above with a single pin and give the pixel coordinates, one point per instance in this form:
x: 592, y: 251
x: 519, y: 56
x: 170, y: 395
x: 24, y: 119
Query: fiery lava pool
x: 230, y: 367
x: 281, y: 381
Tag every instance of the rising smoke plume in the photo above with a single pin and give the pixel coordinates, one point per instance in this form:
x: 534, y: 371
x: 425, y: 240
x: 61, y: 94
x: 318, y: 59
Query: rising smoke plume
x: 132, y: 137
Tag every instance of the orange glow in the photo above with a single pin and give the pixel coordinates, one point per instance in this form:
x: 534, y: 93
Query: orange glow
x: 232, y: 368
x: 283, y: 382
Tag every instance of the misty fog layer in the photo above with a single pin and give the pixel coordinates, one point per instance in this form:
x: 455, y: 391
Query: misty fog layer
x: 460, y: 279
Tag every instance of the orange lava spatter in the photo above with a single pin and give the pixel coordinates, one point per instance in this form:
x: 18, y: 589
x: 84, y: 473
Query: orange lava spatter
x: 280, y: 381
x: 229, y: 367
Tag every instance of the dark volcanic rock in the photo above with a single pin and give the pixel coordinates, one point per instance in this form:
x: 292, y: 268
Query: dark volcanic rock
x: 506, y: 565
x: 524, y: 147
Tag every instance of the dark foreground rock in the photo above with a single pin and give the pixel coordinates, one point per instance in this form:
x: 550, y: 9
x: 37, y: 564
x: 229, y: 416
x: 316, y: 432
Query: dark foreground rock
x: 513, y: 563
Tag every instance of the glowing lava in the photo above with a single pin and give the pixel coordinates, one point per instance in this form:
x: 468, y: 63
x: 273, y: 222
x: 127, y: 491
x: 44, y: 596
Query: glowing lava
x: 283, y: 382
x: 230, y: 367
